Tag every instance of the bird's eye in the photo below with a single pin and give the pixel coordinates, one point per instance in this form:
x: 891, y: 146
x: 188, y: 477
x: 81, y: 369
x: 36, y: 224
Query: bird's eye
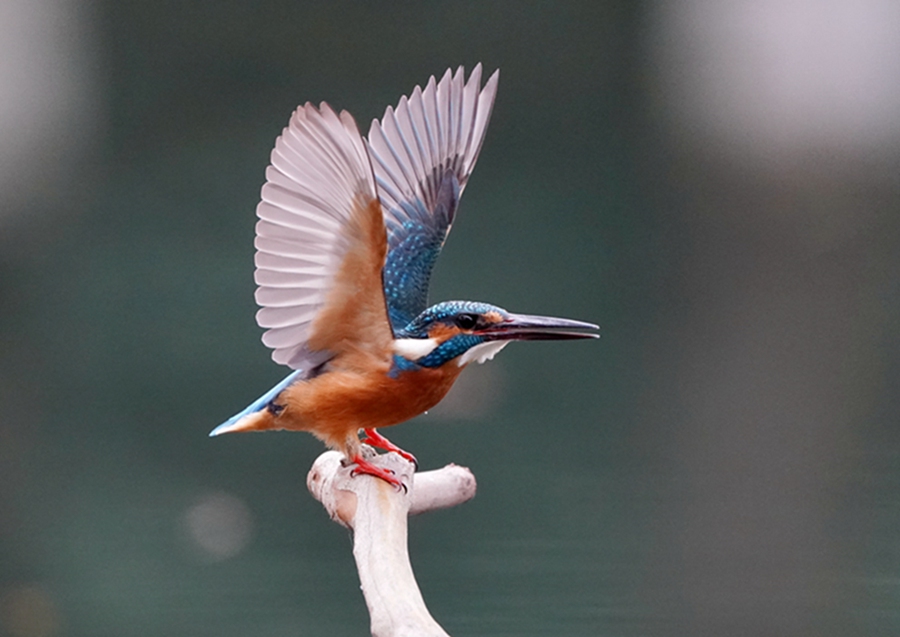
x: 466, y: 321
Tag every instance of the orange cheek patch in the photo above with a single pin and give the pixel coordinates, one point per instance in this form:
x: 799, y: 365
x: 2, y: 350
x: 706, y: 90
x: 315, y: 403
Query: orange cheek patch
x: 441, y: 332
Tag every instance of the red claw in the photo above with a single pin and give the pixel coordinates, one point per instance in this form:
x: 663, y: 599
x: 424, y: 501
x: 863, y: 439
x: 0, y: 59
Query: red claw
x: 375, y: 439
x: 367, y: 468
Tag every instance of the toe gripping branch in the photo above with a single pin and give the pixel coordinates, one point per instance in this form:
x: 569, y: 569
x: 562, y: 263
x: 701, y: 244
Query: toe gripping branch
x: 367, y: 468
x: 375, y: 439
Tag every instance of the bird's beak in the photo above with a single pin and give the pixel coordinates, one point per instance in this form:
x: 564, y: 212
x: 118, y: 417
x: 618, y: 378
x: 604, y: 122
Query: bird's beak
x: 523, y: 327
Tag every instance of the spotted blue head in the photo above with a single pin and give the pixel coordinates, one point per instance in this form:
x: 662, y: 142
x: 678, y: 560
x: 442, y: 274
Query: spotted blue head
x: 470, y: 331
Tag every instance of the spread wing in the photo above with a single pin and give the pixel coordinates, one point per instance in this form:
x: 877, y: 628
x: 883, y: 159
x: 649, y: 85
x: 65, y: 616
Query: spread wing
x: 423, y: 152
x: 320, y: 244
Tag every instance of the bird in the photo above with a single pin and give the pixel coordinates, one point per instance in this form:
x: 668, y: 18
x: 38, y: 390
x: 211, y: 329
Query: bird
x: 349, y: 229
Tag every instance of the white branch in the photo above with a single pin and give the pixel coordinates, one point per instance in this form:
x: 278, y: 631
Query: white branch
x: 377, y: 513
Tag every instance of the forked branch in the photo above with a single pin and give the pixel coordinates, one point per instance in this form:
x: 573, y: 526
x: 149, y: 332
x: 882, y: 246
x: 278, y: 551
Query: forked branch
x: 377, y: 514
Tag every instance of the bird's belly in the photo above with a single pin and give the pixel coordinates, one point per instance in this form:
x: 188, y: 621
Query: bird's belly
x: 336, y: 403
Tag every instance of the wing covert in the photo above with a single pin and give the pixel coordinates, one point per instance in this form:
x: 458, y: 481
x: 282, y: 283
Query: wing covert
x: 422, y: 153
x: 317, y: 236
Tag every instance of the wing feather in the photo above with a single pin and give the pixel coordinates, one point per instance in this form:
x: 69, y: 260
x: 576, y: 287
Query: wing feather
x: 485, y: 106
x: 427, y: 124
x: 319, y: 219
x: 423, y: 152
x: 277, y: 264
x: 288, y: 278
x: 401, y: 125
x: 392, y: 178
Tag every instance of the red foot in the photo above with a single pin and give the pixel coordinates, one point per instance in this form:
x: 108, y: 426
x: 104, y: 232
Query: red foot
x: 366, y: 467
x: 375, y: 439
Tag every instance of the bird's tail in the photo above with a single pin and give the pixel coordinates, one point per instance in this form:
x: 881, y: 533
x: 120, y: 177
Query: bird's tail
x: 257, y: 421
x: 254, y: 417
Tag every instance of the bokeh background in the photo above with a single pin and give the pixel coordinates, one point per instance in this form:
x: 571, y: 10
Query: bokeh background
x: 716, y: 183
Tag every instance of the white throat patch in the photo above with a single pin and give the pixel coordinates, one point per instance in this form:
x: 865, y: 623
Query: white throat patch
x: 414, y: 348
x: 482, y: 352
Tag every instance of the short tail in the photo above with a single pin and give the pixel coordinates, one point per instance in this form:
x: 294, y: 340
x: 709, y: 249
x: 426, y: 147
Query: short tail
x: 253, y: 417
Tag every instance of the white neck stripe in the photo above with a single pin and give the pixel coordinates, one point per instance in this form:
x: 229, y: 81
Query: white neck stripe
x: 414, y: 348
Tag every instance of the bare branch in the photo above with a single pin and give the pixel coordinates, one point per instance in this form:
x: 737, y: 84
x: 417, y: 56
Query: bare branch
x: 377, y: 512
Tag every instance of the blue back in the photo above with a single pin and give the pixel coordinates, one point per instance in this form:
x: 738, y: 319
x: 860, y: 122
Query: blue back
x: 415, y: 238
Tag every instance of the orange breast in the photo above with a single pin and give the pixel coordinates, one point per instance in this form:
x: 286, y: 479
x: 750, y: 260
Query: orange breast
x: 336, y: 404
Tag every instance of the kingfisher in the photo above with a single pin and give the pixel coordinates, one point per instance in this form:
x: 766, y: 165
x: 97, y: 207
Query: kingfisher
x: 348, y: 232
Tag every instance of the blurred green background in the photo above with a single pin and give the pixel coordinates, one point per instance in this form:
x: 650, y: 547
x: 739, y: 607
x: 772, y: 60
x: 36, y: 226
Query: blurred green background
x: 714, y: 183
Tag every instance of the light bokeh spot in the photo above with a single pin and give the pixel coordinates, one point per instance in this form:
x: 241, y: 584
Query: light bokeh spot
x: 49, y: 108
x: 781, y: 76
x: 28, y: 611
x: 220, y: 525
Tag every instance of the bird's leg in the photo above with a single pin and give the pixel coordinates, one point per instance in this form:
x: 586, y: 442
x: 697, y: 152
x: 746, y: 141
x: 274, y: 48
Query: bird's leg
x: 375, y: 439
x: 366, y: 467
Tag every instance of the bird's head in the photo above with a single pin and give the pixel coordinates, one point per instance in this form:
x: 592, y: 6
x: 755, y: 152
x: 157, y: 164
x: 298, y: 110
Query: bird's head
x: 470, y: 331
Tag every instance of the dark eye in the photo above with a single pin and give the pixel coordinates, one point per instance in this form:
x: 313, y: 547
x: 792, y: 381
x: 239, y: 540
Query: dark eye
x: 466, y: 321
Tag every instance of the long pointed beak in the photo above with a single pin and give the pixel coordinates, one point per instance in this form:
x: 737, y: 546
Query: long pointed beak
x: 524, y: 327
